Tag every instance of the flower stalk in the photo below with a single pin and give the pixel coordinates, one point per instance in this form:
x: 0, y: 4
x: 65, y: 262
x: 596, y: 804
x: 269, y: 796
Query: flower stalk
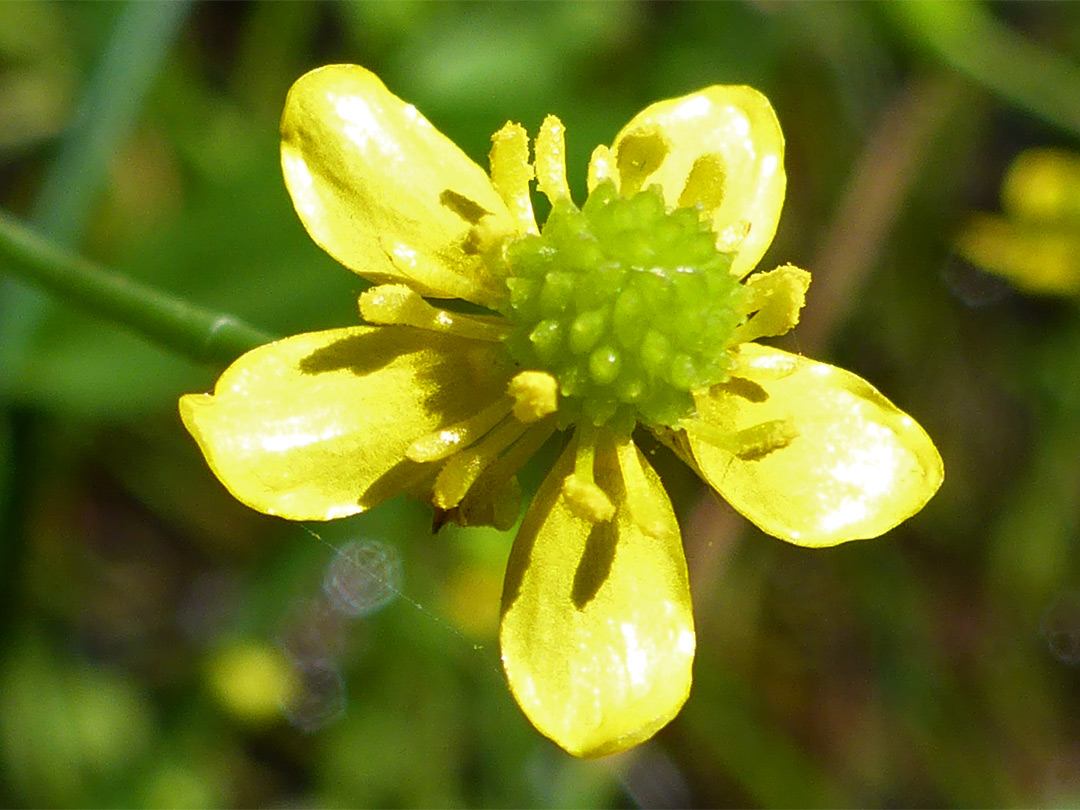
x: 203, y: 335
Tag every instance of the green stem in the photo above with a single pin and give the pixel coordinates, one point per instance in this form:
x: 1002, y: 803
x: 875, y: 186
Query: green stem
x: 202, y: 335
x: 139, y: 42
x: 970, y: 39
x: 138, y: 45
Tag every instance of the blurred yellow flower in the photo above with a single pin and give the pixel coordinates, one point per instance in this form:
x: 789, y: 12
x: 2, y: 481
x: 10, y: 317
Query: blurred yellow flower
x: 1036, y: 244
x: 637, y: 308
x: 251, y: 681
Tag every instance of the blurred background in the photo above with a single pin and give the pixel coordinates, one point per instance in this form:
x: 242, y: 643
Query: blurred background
x: 147, y: 620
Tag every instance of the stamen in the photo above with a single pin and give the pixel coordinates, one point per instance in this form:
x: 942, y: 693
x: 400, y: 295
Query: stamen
x: 535, y: 393
x: 585, y: 498
x: 398, y: 304
x: 777, y: 297
x: 601, y: 168
x: 748, y: 444
x: 551, y: 160
x: 511, y: 173
x: 485, y: 238
x: 497, y: 506
x: 442, y: 443
x: 648, y: 513
x: 495, y: 496
x: 461, y: 471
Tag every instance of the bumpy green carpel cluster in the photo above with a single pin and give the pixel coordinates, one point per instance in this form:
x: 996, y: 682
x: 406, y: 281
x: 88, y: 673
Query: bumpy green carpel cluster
x: 628, y: 305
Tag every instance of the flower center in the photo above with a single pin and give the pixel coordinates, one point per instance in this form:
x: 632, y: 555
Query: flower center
x: 628, y: 305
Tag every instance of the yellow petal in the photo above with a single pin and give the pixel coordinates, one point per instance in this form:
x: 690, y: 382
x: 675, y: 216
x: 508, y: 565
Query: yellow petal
x: 316, y: 426
x: 597, y: 633
x: 721, y: 148
x: 1043, y: 185
x: 836, y: 462
x: 1040, y: 258
x: 383, y: 191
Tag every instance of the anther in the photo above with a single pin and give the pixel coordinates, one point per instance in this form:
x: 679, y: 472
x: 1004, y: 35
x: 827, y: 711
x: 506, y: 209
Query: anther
x: 461, y: 471
x: 583, y: 496
x: 495, y: 497
x: 536, y: 395
x: 511, y: 173
x: 550, y: 157
x: 601, y: 168
x: 777, y: 297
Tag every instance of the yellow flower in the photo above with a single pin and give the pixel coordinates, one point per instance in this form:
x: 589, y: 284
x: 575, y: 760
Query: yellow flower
x: 636, y: 308
x: 1036, y: 243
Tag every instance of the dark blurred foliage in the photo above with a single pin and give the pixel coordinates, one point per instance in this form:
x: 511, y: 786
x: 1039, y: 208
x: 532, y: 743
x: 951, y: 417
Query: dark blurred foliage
x: 145, y: 614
